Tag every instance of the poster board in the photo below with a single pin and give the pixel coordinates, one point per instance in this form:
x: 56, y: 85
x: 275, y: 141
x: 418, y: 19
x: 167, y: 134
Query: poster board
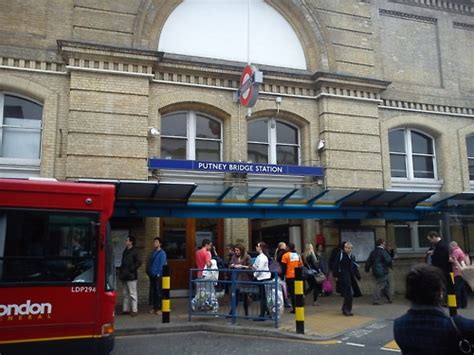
x: 362, y: 240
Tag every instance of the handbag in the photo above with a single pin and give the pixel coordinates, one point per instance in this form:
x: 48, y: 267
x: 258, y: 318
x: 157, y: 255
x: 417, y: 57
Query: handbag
x: 307, y: 272
x: 327, y: 287
x: 319, y: 277
x: 464, y: 345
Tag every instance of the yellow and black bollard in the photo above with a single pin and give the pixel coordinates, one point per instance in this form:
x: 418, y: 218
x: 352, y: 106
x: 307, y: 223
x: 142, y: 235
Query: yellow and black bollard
x: 299, y: 300
x: 452, y: 304
x: 165, y: 289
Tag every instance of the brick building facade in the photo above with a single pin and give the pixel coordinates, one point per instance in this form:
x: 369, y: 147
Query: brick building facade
x: 373, y: 67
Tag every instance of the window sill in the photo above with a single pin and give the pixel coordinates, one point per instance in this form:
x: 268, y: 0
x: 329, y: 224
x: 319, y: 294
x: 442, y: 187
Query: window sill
x: 418, y: 185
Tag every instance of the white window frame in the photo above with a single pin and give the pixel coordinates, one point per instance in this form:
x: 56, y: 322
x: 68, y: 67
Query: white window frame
x: 272, y: 139
x: 191, y: 117
x: 418, y: 184
x: 415, y: 237
x: 10, y: 162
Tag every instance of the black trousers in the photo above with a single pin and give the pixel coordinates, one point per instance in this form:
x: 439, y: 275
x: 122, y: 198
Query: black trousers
x: 263, y: 299
x: 156, y: 294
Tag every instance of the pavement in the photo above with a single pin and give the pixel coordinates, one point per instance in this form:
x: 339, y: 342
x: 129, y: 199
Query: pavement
x: 322, y: 322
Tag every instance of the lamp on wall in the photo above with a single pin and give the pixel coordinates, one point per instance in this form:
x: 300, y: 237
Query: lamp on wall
x: 153, y: 132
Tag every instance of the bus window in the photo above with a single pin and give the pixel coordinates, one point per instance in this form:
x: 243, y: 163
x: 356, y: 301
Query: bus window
x: 47, y: 246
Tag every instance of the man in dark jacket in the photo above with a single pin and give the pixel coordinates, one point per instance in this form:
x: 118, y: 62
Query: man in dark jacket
x: 128, y: 275
x: 438, y: 255
x: 380, y: 261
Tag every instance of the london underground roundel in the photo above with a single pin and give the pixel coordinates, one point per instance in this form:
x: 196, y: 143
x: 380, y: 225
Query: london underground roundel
x: 249, y: 86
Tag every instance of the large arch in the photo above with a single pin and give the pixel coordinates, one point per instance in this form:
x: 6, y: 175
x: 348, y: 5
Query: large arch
x: 153, y: 14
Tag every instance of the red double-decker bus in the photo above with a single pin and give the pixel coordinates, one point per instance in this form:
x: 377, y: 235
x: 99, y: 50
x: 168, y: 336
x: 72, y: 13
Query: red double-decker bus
x: 57, y: 275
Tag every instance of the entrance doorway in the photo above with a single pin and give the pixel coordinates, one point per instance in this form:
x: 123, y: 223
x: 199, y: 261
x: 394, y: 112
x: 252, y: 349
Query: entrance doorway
x: 181, y: 238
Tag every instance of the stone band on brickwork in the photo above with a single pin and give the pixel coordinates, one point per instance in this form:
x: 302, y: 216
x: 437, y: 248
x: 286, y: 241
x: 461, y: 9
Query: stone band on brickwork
x: 427, y: 108
x: 440, y: 5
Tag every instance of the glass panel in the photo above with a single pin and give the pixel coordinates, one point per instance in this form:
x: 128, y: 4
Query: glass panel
x: 396, y: 141
x: 421, y: 143
x: 257, y: 153
x: 21, y: 143
x: 46, y: 247
x: 110, y: 281
x: 470, y: 146
x: 471, y: 169
x: 287, y: 155
x: 174, y: 125
x: 16, y: 107
x: 257, y: 131
x: 423, y: 167
x: 398, y: 165
x: 173, y: 148
x: 286, y: 133
x: 208, y: 150
x: 206, y: 228
x: 174, y: 237
x: 403, y: 237
x: 207, y: 128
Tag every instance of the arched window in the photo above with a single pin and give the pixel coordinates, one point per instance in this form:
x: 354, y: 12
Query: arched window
x: 191, y: 30
x: 274, y: 142
x: 20, y: 130
x: 412, y: 155
x: 191, y: 135
x: 470, y: 156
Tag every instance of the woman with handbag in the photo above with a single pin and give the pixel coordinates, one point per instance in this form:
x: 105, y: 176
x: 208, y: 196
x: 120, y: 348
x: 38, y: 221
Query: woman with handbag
x: 241, y: 260
x: 311, y: 262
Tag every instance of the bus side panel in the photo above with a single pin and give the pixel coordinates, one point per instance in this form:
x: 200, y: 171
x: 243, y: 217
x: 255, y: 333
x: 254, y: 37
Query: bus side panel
x: 47, y: 313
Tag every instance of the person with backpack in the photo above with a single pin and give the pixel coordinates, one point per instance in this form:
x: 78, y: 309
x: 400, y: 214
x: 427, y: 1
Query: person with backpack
x: 380, y: 262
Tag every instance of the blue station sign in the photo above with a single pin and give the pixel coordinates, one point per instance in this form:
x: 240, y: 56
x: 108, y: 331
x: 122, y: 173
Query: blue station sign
x: 235, y: 167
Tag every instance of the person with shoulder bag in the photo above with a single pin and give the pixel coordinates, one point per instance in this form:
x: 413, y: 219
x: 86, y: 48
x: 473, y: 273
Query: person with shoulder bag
x: 426, y: 328
x: 311, y: 262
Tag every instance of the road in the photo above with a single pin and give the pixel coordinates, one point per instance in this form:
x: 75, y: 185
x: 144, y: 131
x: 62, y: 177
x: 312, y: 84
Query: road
x: 373, y: 339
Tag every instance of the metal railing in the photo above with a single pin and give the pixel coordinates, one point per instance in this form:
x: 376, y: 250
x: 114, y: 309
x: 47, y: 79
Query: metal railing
x: 234, y: 294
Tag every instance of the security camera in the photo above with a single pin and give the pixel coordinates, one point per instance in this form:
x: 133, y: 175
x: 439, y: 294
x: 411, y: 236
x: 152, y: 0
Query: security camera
x: 152, y: 131
x: 321, y: 144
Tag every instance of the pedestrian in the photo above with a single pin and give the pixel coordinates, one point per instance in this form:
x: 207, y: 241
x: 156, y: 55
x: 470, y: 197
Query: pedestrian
x: 131, y: 261
x: 290, y: 261
x: 311, y: 261
x: 426, y: 328
x: 279, y: 252
x: 323, y: 264
x: 155, y: 272
x: 203, y: 256
x: 262, y: 274
x: 458, y: 259
x: 380, y: 262
x: 438, y: 256
x: 241, y: 261
x: 348, y: 274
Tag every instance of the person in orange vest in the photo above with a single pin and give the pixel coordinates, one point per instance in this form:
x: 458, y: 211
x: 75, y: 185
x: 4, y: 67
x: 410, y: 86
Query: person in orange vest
x: 290, y: 261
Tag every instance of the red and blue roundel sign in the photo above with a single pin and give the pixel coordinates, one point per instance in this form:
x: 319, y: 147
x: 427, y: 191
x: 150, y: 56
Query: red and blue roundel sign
x: 249, y: 85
